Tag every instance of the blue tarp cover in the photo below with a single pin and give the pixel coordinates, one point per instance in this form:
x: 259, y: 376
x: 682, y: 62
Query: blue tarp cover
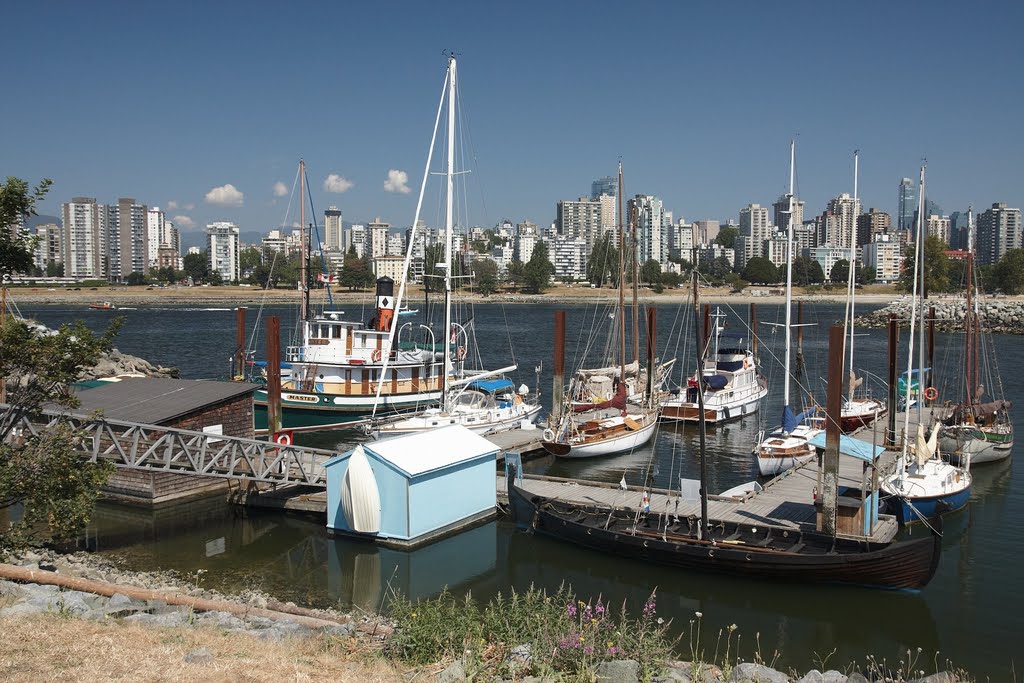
x: 716, y: 382
x: 791, y: 421
x: 491, y: 385
x: 861, y: 450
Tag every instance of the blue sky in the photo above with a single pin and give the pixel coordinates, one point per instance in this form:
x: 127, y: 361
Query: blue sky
x: 167, y: 101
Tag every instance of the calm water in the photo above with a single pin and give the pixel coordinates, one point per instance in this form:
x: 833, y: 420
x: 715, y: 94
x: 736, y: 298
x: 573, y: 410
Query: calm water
x: 973, y: 611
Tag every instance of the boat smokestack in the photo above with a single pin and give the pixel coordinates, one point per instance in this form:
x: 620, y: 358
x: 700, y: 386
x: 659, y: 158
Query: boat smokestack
x: 385, y: 304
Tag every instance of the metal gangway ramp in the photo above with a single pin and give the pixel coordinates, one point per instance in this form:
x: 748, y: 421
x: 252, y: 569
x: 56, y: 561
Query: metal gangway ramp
x: 154, y: 448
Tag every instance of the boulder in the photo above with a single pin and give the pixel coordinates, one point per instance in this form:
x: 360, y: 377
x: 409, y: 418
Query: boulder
x: 748, y: 672
x: 618, y: 671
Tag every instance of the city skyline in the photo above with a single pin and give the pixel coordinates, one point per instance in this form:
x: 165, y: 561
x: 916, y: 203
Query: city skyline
x: 218, y: 124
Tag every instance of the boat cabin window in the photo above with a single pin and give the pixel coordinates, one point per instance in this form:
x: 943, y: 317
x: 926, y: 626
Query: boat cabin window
x: 336, y: 331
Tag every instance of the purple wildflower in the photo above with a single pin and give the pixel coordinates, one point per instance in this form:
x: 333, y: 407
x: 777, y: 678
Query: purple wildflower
x: 599, y: 609
x: 571, y: 609
x: 612, y: 650
x: 587, y: 615
x: 589, y: 649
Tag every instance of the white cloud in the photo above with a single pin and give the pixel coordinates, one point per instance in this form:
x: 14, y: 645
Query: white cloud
x: 225, y: 195
x: 396, y: 181
x: 336, y: 183
x: 172, y: 205
x: 280, y: 189
x: 183, y: 222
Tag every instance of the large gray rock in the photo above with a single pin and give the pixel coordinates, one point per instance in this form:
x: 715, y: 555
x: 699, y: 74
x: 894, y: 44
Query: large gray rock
x: 748, y: 672
x: 455, y: 673
x: 618, y: 671
x: 671, y: 675
x: 198, y: 656
x: 830, y: 676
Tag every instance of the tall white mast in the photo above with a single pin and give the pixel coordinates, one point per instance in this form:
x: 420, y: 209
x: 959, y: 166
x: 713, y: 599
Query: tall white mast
x: 448, y: 230
x: 921, y: 274
x: 918, y: 252
x: 852, y: 286
x: 789, y: 266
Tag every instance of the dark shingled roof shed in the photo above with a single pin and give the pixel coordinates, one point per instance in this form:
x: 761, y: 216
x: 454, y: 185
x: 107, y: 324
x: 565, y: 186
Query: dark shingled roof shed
x: 156, y: 401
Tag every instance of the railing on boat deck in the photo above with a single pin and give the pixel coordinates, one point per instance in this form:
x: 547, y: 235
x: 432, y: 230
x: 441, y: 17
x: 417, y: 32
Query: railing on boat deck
x: 155, y: 448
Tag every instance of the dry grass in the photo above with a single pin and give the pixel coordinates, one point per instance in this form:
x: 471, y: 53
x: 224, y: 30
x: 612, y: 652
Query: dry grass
x: 51, y: 648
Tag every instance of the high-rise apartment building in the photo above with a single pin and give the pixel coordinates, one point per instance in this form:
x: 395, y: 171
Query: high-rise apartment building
x: 356, y: 238
x: 780, y: 209
x: 83, y: 243
x: 907, y: 204
x: 885, y: 256
x: 705, y: 231
x: 938, y: 226
x: 48, y: 246
x: 579, y: 219
x: 839, y: 222
x: 155, y: 234
x: 133, y: 237
x: 754, y: 230
x: 378, y: 233
x: 651, y: 230
x: 332, y: 229
x: 222, y: 250
x: 998, y: 232
x: 527, y: 236
x: 958, y: 230
x: 870, y: 224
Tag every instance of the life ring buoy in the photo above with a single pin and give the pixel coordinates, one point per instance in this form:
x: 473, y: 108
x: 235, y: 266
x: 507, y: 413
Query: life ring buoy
x: 375, y: 356
x: 549, y: 435
x: 931, y: 393
x: 461, y: 353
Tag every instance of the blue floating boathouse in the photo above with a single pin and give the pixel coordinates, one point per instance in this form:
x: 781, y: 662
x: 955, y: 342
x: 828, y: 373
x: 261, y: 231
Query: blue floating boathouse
x: 410, y: 490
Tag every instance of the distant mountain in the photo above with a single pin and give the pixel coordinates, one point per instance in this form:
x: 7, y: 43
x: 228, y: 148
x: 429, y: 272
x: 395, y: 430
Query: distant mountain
x: 33, y: 221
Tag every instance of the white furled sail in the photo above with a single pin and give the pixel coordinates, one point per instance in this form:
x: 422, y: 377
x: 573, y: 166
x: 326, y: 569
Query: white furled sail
x: 360, y: 499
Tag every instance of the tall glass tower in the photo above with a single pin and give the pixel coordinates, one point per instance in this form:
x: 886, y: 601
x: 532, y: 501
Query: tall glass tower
x: 907, y: 206
x: 607, y: 185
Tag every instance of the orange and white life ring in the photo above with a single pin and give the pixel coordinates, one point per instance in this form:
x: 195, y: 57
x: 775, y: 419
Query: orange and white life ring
x: 461, y: 353
x: 375, y: 356
x: 931, y: 393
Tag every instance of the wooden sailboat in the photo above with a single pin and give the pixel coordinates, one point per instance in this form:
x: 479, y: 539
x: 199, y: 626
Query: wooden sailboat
x: 923, y: 485
x: 749, y: 550
x: 859, y: 410
x: 340, y: 370
x: 787, y: 446
x: 976, y: 430
x: 586, y: 430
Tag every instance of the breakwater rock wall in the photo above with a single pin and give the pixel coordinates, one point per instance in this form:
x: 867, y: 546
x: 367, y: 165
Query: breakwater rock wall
x: 117, y: 364
x: 996, y: 315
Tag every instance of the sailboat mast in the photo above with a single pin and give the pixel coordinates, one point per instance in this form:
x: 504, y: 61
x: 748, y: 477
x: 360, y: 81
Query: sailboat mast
x: 853, y: 265
x: 304, y: 305
x: 789, y: 267
x: 622, y: 284
x: 920, y: 263
x: 698, y: 347
x: 969, y: 313
x: 636, y: 277
x: 448, y: 230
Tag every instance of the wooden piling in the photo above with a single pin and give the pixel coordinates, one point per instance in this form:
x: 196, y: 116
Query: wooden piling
x: 239, y: 370
x: 558, y: 384
x: 652, y: 343
x: 707, y: 325
x: 833, y: 409
x: 753, y: 328
x: 273, y: 332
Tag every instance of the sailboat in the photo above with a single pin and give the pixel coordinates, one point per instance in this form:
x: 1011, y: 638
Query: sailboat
x: 731, y: 381
x: 857, y: 411
x: 620, y: 423
x: 721, y: 547
x: 923, y: 485
x: 485, y: 402
x: 975, y: 430
x: 788, y: 445
x: 340, y: 371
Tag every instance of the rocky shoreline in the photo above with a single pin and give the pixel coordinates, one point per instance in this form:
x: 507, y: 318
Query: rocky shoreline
x: 1005, y: 317
x: 248, y: 615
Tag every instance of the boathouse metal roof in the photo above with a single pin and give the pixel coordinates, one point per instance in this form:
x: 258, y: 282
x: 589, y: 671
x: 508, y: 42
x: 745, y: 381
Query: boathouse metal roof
x: 850, y: 446
x: 154, y: 400
x: 434, y: 449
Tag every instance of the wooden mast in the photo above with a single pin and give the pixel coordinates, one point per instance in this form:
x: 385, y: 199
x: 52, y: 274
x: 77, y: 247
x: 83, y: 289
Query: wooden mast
x: 636, y: 276
x: 622, y: 293
x: 303, y: 276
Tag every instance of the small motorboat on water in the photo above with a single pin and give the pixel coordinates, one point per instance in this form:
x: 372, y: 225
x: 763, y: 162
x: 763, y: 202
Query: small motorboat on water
x: 103, y: 306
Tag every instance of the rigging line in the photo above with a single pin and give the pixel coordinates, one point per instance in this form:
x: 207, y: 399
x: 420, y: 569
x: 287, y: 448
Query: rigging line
x: 316, y: 229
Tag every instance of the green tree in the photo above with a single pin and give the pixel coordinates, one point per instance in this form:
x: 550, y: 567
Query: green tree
x: 355, y: 272
x: 485, y: 272
x: 135, y: 279
x: 807, y: 271
x: 671, y: 278
x: 727, y: 237
x: 603, y: 262
x: 936, y: 266
x: 840, y: 271
x: 867, y: 275
x: 515, y: 273
x: 433, y: 274
x: 196, y: 266
x: 538, y: 271
x: 719, y: 268
x: 761, y: 271
x: 54, y: 269
x: 17, y: 203
x: 249, y: 258
x: 1008, y: 273
x: 650, y: 272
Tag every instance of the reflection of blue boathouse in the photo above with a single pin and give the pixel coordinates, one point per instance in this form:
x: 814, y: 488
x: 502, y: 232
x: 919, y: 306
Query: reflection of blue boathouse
x: 412, y: 489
